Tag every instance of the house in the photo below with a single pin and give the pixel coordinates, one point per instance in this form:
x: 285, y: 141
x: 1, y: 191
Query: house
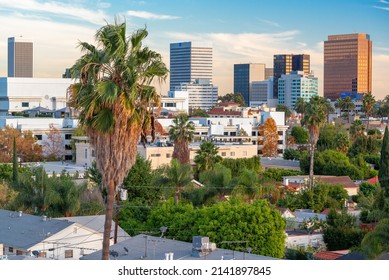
x: 296, y: 239
x: 145, y: 247
x: 23, y: 236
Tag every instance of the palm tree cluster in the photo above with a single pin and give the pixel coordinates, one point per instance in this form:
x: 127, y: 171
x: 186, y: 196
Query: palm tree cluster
x: 116, y: 102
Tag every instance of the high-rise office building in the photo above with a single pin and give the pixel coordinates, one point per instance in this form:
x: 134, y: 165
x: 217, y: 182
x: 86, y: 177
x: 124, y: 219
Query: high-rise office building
x: 296, y: 85
x: 190, y: 61
x: 347, y: 64
x: 283, y: 64
x: 20, y: 58
x: 244, y: 74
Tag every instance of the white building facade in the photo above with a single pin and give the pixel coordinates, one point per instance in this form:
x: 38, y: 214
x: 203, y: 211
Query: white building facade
x: 20, y: 94
x: 202, y: 94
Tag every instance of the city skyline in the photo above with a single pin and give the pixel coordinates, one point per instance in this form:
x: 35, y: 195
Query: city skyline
x: 240, y: 33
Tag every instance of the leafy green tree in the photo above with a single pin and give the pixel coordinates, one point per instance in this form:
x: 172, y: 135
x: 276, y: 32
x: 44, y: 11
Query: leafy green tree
x: 236, y: 97
x: 181, y: 132
x: 285, y: 109
x: 368, y: 106
x: 248, y: 185
x: 197, y: 112
x: 292, y: 154
x: 383, y: 174
x: 7, y: 195
x: 376, y: 242
x: 140, y: 182
x: 367, y: 189
x: 176, y: 176
x: 342, y: 231
x: 315, y: 116
x: 114, y: 96
x: 300, y: 135
x: 236, y: 165
x: 217, y: 181
x: 207, y: 156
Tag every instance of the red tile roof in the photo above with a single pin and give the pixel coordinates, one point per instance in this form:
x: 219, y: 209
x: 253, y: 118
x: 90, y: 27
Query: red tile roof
x: 373, y: 180
x: 221, y: 111
x: 327, y: 255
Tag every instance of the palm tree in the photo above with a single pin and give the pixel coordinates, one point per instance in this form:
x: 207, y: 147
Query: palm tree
x: 116, y: 101
x: 368, y: 107
x: 217, y: 181
x: 315, y: 115
x: 356, y: 129
x: 300, y: 106
x: 207, y: 156
x: 342, y: 142
x: 248, y: 185
x: 177, y: 176
x: 348, y: 105
x: 181, y: 132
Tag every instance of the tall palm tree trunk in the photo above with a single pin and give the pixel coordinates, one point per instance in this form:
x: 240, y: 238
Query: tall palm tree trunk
x: 108, y: 221
x: 311, y: 164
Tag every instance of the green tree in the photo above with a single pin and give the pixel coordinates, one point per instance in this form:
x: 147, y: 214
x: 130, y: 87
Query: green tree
x: 207, y: 156
x: 348, y: 105
x: 236, y: 165
x: 315, y: 116
x: 368, y: 106
x: 197, y: 112
x: 176, y: 176
x: 383, y: 173
x: 181, y: 132
x: 342, y: 142
x: 115, y: 99
x: 248, y: 185
x: 218, y: 181
x: 367, y: 189
x: 300, y: 135
x: 356, y: 129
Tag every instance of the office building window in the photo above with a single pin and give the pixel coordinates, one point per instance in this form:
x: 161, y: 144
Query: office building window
x: 68, y: 254
x: 25, y: 104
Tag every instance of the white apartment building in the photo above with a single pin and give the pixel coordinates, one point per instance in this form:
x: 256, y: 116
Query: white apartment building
x: 202, y: 94
x: 40, y: 127
x: 296, y: 85
x: 176, y: 101
x: 21, y: 94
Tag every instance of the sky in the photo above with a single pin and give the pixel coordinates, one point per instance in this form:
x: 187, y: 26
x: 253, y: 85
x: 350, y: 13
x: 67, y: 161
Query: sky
x: 240, y: 31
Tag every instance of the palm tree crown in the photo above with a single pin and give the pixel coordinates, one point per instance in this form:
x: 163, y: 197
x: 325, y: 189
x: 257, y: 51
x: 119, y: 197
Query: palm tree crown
x: 181, y: 132
x: 116, y: 102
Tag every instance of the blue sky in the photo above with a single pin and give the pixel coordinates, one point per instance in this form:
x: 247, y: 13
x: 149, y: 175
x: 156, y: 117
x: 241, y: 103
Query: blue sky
x: 240, y: 31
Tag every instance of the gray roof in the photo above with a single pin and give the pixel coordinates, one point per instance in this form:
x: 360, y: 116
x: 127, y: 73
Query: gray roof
x: 25, y: 231
x: 145, y: 247
x: 97, y: 223
x: 39, y: 109
x: 302, y: 215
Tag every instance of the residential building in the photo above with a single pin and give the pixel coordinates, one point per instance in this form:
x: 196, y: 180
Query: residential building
x: 190, y: 61
x: 296, y: 85
x: 146, y: 247
x: 283, y: 64
x: 202, y: 94
x: 261, y: 92
x: 347, y: 64
x: 20, y: 94
x: 40, y: 128
x: 175, y: 102
x: 20, y: 57
x: 23, y: 235
x: 246, y: 73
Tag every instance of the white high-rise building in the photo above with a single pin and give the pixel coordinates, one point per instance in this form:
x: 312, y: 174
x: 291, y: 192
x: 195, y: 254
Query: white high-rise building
x: 190, y: 61
x: 202, y: 94
x: 296, y: 85
x: 20, y: 57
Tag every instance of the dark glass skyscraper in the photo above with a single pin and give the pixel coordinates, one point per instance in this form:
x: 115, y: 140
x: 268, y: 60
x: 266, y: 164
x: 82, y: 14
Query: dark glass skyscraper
x: 283, y: 64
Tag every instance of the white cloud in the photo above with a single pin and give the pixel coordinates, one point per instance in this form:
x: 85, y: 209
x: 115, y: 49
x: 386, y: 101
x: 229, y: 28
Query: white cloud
x: 381, y: 8
x: 56, y: 8
x: 104, y: 5
x: 148, y: 15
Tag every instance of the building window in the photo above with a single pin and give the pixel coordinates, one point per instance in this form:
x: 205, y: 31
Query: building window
x: 68, y: 147
x: 11, y: 249
x: 19, y: 252
x: 25, y: 104
x: 86, y: 153
x: 223, y: 154
x: 42, y: 254
x: 93, y: 153
x: 68, y: 254
x: 168, y: 155
x: 68, y: 136
x: 170, y: 105
x: 232, y: 133
x: 280, y: 133
x: 232, y: 154
x: 68, y: 157
x: 38, y: 137
x: 155, y: 155
x: 280, y: 142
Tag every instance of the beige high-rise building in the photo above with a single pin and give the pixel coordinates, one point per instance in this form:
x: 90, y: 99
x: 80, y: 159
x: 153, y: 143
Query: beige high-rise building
x: 20, y: 57
x: 347, y: 64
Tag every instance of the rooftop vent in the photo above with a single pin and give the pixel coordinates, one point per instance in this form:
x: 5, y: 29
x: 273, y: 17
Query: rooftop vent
x: 201, y: 246
x: 44, y: 218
